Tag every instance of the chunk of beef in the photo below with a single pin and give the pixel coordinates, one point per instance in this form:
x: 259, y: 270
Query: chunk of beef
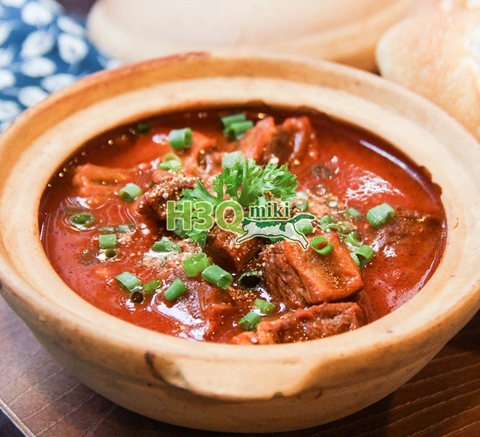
x: 317, y: 321
x: 201, y: 159
x: 217, y: 309
x: 98, y: 183
x: 405, y: 225
x: 302, y: 277
x: 286, y: 143
x: 223, y: 248
x: 256, y: 139
x: 167, y: 186
x: 204, y: 307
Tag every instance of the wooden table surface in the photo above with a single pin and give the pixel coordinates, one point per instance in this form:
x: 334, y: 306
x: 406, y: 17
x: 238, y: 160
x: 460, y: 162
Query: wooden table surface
x: 42, y: 399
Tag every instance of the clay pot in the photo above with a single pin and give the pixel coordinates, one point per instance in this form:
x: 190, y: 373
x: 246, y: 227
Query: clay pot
x: 230, y: 387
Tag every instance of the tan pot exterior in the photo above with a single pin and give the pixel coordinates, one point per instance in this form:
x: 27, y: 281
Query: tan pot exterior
x: 340, y: 30
x: 228, y: 387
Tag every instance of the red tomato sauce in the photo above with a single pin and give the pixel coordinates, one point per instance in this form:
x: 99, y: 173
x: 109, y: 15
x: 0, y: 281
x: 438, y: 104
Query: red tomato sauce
x: 350, y: 166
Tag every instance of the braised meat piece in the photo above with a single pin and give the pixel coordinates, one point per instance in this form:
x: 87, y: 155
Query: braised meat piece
x: 287, y: 143
x: 224, y: 250
x: 202, y: 157
x: 216, y: 307
x: 167, y: 186
x: 304, y: 277
x: 317, y: 321
x: 98, y: 183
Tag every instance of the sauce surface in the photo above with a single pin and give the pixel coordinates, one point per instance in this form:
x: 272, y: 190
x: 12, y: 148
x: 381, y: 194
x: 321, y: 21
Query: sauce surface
x: 339, y: 167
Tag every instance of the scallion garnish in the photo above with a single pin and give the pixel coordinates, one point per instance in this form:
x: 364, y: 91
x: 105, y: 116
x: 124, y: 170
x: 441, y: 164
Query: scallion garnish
x: 111, y: 253
x: 305, y: 227
x: 230, y: 159
x: 171, y: 161
x: 237, y: 129
x: 381, y: 214
x: 128, y: 281
x: 195, y: 264
x: 322, y: 245
x: 82, y: 220
x: 180, y: 138
x: 249, y: 280
x: 233, y: 118
x: 217, y: 276
x: 300, y: 201
x: 136, y: 295
x: 175, y: 290
x: 362, y: 255
x: 130, y: 192
x: 123, y: 229
x: 264, y: 306
x: 107, y: 241
x: 152, y: 286
x: 326, y: 220
x: 353, y: 213
x: 249, y: 321
x: 352, y: 239
x: 165, y: 245
x: 143, y: 127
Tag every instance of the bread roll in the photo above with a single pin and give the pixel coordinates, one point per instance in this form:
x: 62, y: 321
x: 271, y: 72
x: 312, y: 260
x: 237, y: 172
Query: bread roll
x: 437, y: 55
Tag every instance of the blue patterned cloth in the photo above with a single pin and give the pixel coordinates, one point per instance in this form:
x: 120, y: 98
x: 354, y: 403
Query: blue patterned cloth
x: 41, y: 50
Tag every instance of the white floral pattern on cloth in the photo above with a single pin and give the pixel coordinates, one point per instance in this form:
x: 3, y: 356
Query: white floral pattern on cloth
x: 41, y: 50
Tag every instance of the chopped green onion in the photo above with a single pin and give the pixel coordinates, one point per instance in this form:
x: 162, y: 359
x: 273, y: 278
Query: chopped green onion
x: 111, y: 253
x: 352, y: 239
x: 238, y: 128
x: 130, y: 192
x: 233, y: 118
x: 175, y: 290
x: 107, y: 229
x: 334, y: 227
x: 171, y: 161
x: 301, y: 201
x: 128, y: 281
x: 136, y: 295
x: 305, y: 227
x: 143, y: 127
x: 152, y: 286
x: 107, y: 241
x: 353, y: 213
x: 165, y: 245
x: 123, y: 229
x: 264, y: 306
x: 180, y: 138
x: 217, y: 276
x: 325, y: 221
x: 249, y: 280
x: 381, y: 214
x: 170, y: 165
x: 362, y: 255
x: 82, y: 220
x: 195, y: 264
x: 230, y: 159
x: 250, y: 321
x: 322, y: 246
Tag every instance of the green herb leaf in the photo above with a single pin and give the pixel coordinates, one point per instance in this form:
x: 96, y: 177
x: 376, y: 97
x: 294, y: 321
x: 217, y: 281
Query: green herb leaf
x: 244, y: 181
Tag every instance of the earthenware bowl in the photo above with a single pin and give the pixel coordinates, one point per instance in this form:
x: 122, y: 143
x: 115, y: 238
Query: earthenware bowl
x: 228, y: 387
x: 340, y: 30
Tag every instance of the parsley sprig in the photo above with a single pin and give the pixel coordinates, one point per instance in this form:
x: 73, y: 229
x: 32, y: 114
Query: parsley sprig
x: 244, y: 181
